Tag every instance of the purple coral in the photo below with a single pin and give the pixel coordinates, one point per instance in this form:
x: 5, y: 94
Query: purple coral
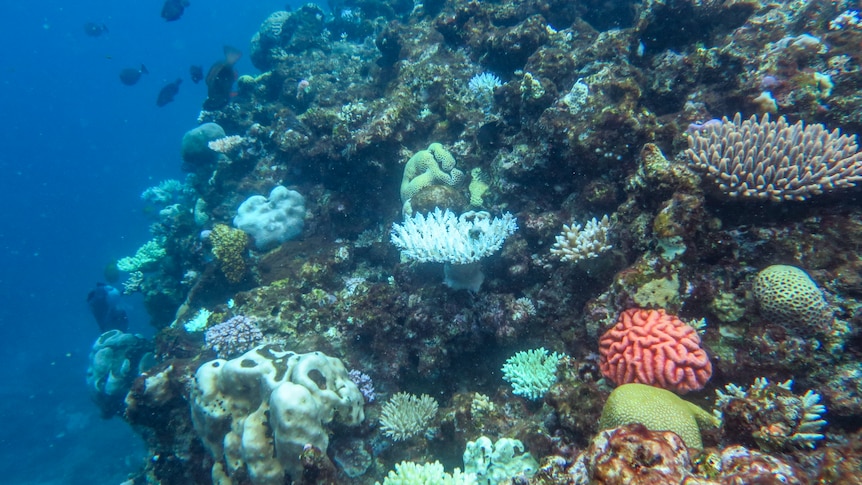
x: 234, y: 336
x: 364, y: 383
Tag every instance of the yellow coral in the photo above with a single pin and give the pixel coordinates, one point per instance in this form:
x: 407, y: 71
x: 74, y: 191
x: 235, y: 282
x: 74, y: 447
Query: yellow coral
x: 658, y: 410
x: 477, y: 187
x: 434, y: 166
x: 229, y: 246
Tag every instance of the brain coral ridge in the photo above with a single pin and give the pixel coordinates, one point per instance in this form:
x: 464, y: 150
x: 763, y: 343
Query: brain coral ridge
x: 655, y: 348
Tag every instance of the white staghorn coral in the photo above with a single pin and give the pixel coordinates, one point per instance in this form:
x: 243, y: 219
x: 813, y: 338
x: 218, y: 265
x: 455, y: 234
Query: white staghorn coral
x: 576, y: 243
x: 441, y: 237
x: 459, y: 242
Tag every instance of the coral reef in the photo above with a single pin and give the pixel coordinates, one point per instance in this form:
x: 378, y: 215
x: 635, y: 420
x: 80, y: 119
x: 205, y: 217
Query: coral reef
x: 640, y: 120
x: 406, y: 415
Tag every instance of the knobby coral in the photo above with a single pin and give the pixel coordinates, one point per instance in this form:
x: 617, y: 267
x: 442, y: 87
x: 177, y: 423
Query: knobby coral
x: 232, y: 337
x: 655, y: 348
x: 577, y: 243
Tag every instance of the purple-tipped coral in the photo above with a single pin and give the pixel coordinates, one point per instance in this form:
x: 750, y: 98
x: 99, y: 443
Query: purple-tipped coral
x: 364, y: 383
x: 234, y: 336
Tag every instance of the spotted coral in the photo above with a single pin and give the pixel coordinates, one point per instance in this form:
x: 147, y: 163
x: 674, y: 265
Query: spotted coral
x: 787, y: 295
x: 657, y: 409
x: 655, y: 348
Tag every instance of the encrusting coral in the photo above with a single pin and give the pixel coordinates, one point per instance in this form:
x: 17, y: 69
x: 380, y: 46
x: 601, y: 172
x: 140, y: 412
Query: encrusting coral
x: 229, y: 248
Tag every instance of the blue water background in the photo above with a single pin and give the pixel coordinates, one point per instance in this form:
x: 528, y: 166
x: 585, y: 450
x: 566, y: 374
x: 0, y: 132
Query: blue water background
x: 78, y: 148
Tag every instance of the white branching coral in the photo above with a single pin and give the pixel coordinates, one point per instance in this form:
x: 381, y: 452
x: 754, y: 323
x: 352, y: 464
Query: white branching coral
x: 441, y: 237
x: 226, y: 144
x: 577, y: 243
x: 406, y: 415
x: 460, y: 242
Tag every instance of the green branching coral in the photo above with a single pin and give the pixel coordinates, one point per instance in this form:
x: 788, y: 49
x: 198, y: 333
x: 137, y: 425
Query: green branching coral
x: 658, y: 410
x: 532, y: 372
x: 229, y: 248
x: 144, y: 259
x: 433, y: 166
x: 409, y: 473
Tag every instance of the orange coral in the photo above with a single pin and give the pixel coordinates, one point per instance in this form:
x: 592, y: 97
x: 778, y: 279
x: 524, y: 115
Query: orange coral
x: 655, y: 348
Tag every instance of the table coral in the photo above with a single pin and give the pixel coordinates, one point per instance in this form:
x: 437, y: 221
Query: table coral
x: 655, y: 348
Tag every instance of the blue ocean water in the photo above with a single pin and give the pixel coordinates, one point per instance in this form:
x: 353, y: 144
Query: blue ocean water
x: 78, y: 148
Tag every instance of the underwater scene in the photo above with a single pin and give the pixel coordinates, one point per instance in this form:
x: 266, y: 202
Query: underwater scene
x: 437, y: 242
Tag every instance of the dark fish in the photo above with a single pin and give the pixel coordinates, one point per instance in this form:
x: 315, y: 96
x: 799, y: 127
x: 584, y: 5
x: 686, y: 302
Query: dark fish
x: 197, y: 73
x: 173, y: 9
x: 220, y: 79
x: 105, y: 305
x: 166, y: 95
x: 95, y: 30
x: 130, y: 76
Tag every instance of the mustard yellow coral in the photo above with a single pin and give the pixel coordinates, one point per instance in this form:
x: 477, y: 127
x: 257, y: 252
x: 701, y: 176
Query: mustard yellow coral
x: 658, y: 410
x: 229, y: 246
x: 433, y: 166
x: 477, y: 187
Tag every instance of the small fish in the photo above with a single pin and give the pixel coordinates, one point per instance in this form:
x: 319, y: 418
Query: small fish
x: 166, y: 95
x: 95, y: 30
x: 104, y: 302
x: 197, y: 73
x: 130, y: 75
x: 173, y: 9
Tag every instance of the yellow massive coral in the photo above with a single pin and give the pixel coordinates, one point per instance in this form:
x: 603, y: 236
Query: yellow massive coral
x: 433, y: 166
x: 229, y: 246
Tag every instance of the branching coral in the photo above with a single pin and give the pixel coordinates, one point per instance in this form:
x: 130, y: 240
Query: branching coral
x: 577, y: 243
x: 770, y: 415
x: 532, y: 372
x: 406, y: 415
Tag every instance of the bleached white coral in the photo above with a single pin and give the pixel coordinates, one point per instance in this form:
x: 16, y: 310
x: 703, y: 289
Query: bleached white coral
x: 409, y: 473
x: 577, y: 243
x: 226, y: 144
x: 484, y: 84
x: 441, y: 237
x: 406, y: 415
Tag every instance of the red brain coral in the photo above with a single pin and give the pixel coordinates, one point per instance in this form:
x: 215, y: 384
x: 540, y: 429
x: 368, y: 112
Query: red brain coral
x: 655, y: 348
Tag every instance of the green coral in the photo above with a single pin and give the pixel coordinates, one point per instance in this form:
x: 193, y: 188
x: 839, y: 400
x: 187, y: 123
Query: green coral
x: 786, y: 294
x: 435, y: 165
x: 498, y: 463
x: 144, y: 259
x: 477, y: 187
x: 229, y: 247
x: 409, y: 473
x: 532, y: 372
x: 658, y: 410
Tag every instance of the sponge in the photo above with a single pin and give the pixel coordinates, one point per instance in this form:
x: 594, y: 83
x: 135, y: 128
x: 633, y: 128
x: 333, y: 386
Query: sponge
x: 258, y: 411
